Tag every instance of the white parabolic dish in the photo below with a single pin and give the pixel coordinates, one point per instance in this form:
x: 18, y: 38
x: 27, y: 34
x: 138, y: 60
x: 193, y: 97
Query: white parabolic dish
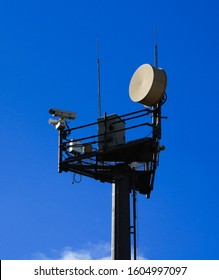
x: 147, y: 85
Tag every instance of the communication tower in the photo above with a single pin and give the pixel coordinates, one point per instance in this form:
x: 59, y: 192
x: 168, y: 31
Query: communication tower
x: 108, y: 156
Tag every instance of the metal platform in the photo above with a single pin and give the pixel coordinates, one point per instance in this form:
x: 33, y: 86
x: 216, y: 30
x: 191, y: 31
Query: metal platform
x: 107, y: 165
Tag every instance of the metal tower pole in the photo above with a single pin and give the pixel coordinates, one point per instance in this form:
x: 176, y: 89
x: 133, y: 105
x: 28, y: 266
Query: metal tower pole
x: 60, y: 138
x: 133, y: 227
x: 121, y: 248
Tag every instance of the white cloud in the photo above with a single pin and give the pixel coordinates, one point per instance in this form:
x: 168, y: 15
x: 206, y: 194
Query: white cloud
x: 69, y: 254
x: 40, y: 256
x: 100, y: 251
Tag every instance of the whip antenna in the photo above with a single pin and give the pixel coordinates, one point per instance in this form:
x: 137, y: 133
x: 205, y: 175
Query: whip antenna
x: 155, y: 48
x: 98, y: 81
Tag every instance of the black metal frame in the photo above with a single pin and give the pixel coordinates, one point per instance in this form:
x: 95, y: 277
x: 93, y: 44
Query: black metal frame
x: 103, y: 164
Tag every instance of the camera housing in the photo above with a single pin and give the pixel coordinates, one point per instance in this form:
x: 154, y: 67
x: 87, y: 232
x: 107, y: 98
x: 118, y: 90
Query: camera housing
x: 59, y: 124
x: 62, y: 114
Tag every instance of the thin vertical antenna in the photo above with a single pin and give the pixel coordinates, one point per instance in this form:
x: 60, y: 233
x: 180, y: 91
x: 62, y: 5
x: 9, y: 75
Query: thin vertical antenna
x: 155, y: 47
x: 98, y: 82
x: 157, y: 108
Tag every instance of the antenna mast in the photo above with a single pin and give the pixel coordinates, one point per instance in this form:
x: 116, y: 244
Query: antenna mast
x: 109, y: 157
x: 155, y: 48
x: 98, y: 81
x: 157, y: 107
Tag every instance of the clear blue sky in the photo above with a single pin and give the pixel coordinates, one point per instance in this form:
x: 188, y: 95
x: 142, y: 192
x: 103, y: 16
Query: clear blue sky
x: 48, y: 59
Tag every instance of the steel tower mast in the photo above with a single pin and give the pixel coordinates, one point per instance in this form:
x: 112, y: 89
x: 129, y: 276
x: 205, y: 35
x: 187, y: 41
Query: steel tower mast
x: 113, y: 156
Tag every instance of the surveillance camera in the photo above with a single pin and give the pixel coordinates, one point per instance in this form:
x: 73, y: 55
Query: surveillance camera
x: 62, y: 114
x: 59, y: 124
x: 53, y: 122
